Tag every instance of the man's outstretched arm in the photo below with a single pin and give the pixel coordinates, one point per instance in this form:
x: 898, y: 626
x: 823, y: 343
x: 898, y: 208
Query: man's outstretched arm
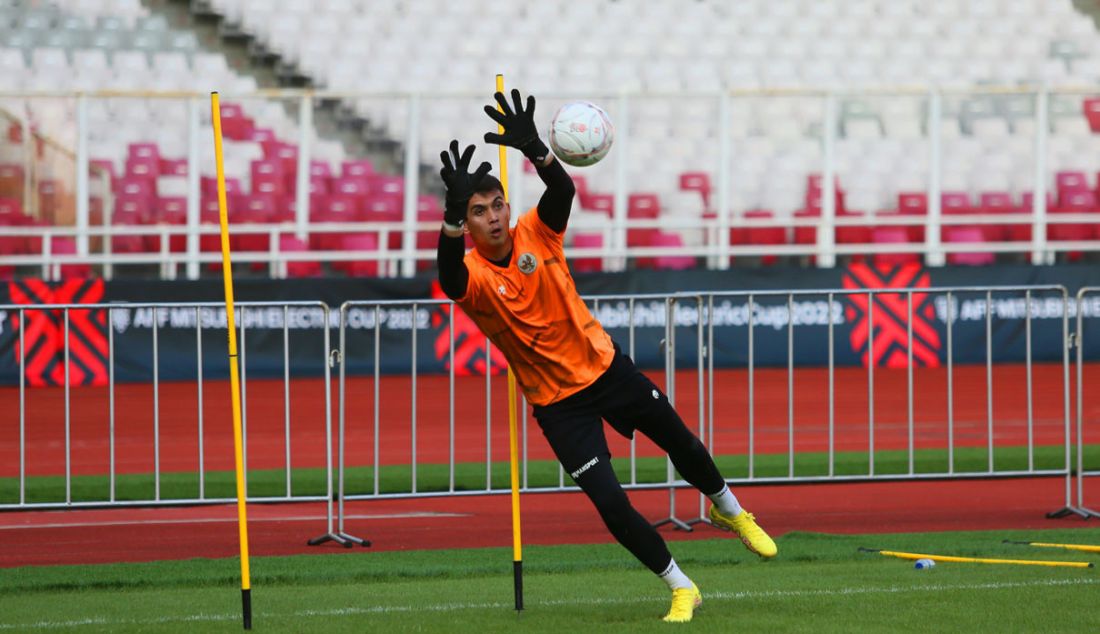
x: 454, y: 277
x: 449, y: 254
x: 518, y: 123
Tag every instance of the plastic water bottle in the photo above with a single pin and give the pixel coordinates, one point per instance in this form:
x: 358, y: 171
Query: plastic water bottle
x: 924, y: 564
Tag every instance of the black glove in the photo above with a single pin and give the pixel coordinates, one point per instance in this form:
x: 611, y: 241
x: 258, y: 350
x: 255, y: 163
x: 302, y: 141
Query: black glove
x: 461, y: 184
x: 519, y: 127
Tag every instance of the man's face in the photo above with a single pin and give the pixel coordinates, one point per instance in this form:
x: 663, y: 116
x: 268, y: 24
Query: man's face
x: 487, y: 218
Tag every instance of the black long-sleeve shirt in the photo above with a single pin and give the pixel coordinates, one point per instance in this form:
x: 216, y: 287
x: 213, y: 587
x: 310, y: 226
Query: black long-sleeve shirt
x: 553, y: 209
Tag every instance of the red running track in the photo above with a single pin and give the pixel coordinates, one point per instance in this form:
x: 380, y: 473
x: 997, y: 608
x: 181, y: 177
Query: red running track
x: 265, y: 418
x: 78, y: 537
x: 97, y: 536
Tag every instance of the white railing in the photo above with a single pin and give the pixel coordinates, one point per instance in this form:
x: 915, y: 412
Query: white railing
x: 718, y: 249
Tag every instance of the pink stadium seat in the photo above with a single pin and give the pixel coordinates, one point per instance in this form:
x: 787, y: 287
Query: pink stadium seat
x: 298, y: 268
x: 262, y: 135
x: 671, y: 262
x: 235, y: 124
x: 170, y: 210
x: 143, y: 150
x: 587, y: 265
x: 142, y: 167
x: 967, y: 234
x: 353, y: 186
x: 136, y: 187
x: 892, y: 235
x: 267, y: 177
x: 285, y: 153
x: 428, y: 208
x: 358, y: 242
x: 173, y: 167
x: 385, y: 208
x: 358, y: 168
x: 208, y: 186
x: 333, y: 208
x: 386, y: 184
x: 600, y: 203
x: 67, y: 246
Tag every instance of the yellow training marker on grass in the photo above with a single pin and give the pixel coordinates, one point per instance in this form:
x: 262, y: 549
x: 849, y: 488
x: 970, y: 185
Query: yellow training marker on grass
x: 979, y: 560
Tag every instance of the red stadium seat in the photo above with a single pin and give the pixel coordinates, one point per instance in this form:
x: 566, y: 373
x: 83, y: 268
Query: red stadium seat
x: 643, y: 205
x: 587, y: 264
x: 697, y: 182
x: 358, y: 242
x: 913, y: 204
x: 1068, y: 183
x: 1072, y: 203
x: 298, y: 268
x: 747, y: 234
x: 1091, y: 109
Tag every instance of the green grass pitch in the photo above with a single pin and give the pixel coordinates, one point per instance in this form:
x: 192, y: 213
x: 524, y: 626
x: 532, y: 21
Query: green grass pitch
x: 819, y: 583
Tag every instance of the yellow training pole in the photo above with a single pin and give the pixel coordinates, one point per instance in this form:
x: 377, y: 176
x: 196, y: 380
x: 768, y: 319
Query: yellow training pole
x: 234, y: 378
x: 982, y: 560
x: 1088, y: 548
x: 513, y: 445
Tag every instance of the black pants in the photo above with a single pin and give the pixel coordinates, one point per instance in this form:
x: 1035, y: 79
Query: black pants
x: 629, y: 401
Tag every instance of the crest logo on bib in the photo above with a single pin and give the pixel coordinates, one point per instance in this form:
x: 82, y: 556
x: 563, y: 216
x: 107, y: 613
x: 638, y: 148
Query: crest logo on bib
x: 527, y: 263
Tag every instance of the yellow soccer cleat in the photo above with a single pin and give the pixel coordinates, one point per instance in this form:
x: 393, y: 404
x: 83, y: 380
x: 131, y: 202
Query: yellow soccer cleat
x: 684, y: 602
x: 744, y: 526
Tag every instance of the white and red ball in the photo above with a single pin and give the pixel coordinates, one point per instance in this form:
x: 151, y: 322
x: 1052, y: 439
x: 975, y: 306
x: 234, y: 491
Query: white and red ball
x: 581, y: 133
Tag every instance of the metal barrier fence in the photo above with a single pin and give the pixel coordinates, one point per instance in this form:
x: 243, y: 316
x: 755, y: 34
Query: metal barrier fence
x: 120, y: 459
x: 747, y: 415
x: 1079, y: 342
x: 1039, y: 446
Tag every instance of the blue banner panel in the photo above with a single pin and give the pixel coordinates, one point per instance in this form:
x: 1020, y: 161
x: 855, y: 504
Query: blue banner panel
x: 800, y: 324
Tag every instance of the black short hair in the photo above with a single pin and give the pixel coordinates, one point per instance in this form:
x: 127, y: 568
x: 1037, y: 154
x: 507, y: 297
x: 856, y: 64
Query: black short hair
x: 489, y: 185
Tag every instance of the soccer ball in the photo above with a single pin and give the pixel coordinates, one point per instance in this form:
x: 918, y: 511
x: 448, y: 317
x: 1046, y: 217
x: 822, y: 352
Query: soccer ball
x: 581, y: 133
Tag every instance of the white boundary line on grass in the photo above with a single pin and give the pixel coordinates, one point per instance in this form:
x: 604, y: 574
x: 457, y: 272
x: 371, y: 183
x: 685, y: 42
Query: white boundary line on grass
x: 233, y: 520
x: 449, y: 607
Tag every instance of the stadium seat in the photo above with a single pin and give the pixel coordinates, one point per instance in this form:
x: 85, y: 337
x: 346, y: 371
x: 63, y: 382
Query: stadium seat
x: 671, y: 262
x: 967, y: 234
x: 67, y: 246
x: 587, y: 264
x: 358, y: 242
x: 891, y: 235
x: 298, y: 268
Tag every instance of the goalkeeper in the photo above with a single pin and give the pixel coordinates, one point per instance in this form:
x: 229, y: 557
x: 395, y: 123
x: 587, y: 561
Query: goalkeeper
x: 516, y: 287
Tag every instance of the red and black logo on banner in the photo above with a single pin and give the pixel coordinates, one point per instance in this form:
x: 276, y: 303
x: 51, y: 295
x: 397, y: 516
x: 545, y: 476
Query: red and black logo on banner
x: 43, y: 332
x: 890, y: 317
x: 470, y: 358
